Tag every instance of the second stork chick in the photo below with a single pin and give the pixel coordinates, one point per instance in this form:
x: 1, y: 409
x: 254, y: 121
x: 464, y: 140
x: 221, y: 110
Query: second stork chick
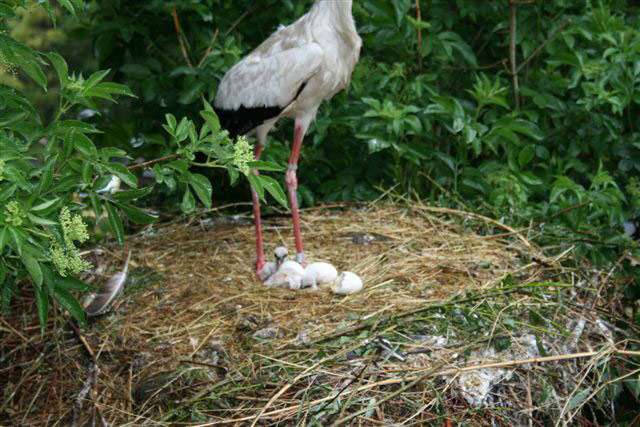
x: 286, y: 273
x: 318, y: 274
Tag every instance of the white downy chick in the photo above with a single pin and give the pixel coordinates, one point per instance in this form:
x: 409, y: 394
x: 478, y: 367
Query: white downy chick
x: 348, y: 283
x: 318, y: 274
x: 280, y: 255
x: 289, y: 275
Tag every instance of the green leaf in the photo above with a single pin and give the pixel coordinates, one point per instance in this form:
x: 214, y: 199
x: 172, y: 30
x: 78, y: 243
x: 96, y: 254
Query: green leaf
x: 84, y: 145
x: 17, y: 240
x: 4, y: 238
x: 578, y: 399
x: 129, y: 195
x: 95, y: 78
x: 123, y: 173
x: 256, y: 184
x: 46, y: 177
x: 33, y: 267
x: 212, y: 120
x: 42, y: 303
x: 6, y: 11
x: 68, y: 5
x: 71, y: 283
x: 114, y: 88
x: 41, y: 221
x: 24, y: 57
x: 202, y: 187
x: 233, y: 175
x: 115, y: 222
x: 136, y: 215
x: 274, y: 188
x: 66, y: 300
x: 8, y: 192
x: 61, y: 67
x: 188, y: 202
x: 266, y: 166
x: 171, y: 122
x: 44, y: 205
x: 526, y: 155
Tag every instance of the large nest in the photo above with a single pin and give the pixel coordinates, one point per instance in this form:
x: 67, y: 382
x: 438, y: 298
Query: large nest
x: 196, y: 337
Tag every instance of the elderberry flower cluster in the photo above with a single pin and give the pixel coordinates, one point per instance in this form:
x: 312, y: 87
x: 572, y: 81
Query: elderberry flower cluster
x: 14, y: 214
x: 64, y: 254
x: 242, y: 155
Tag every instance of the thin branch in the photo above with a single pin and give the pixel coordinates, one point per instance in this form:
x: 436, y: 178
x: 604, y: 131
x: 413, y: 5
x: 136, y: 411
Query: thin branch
x: 419, y: 19
x: 152, y: 162
x: 346, y: 386
x: 257, y: 6
x: 210, y: 48
x: 183, y: 46
x: 537, y: 50
x: 513, y: 32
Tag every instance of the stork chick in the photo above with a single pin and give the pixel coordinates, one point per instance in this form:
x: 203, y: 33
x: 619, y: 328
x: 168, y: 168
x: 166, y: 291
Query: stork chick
x: 280, y: 254
x: 318, y: 274
x: 287, y: 273
x: 348, y: 283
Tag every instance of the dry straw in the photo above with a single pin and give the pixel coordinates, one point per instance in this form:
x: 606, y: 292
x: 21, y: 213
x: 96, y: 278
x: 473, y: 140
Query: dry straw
x: 179, y: 346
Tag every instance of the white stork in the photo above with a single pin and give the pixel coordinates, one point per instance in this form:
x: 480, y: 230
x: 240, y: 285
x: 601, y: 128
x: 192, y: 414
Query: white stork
x: 289, y: 75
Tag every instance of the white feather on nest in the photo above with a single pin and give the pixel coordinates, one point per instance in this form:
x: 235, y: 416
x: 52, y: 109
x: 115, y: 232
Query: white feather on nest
x: 97, y: 304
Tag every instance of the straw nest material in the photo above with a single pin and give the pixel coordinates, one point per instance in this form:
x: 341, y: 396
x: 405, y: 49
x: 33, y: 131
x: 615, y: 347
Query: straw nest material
x: 196, y: 338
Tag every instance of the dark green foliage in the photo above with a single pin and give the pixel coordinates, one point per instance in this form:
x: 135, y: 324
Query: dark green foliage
x: 439, y: 118
x: 53, y: 174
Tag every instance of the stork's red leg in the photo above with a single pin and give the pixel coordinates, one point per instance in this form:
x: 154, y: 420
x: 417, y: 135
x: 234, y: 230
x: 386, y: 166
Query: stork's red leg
x: 256, y: 217
x: 292, y: 187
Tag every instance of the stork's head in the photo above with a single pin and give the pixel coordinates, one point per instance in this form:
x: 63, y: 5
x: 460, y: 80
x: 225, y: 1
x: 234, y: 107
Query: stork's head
x: 281, y: 253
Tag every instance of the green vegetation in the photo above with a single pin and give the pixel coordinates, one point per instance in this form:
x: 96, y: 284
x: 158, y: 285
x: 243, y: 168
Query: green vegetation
x: 525, y: 111
x: 53, y: 170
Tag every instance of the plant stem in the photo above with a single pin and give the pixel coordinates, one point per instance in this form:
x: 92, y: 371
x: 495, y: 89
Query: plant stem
x: 183, y: 47
x: 513, y: 23
x: 419, y: 19
x: 152, y: 162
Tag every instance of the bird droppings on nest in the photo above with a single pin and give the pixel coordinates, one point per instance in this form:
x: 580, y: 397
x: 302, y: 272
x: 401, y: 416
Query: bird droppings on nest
x: 266, y: 333
x: 183, y: 349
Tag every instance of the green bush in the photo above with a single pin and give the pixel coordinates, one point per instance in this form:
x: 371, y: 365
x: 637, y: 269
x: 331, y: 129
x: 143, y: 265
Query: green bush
x: 443, y: 111
x: 58, y: 189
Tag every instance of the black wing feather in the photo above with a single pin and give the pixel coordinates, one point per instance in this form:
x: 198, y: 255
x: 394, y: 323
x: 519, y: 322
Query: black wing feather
x: 244, y: 120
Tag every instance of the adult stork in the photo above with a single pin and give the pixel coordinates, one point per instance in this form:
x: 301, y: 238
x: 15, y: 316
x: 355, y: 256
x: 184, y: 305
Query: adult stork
x: 289, y: 75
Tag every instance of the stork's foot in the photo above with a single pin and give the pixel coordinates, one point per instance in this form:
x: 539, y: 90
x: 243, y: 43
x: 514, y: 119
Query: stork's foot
x: 300, y: 259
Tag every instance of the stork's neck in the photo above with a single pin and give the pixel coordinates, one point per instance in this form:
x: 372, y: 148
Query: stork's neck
x: 337, y: 12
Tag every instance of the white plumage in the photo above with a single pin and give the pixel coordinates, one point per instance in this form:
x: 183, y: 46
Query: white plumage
x: 348, y: 283
x: 280, y: 254
x: 96, y: 304
x: 318, y: 274
x: 288, y: 275
x: 320, y: 49
x: 289, y: 75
